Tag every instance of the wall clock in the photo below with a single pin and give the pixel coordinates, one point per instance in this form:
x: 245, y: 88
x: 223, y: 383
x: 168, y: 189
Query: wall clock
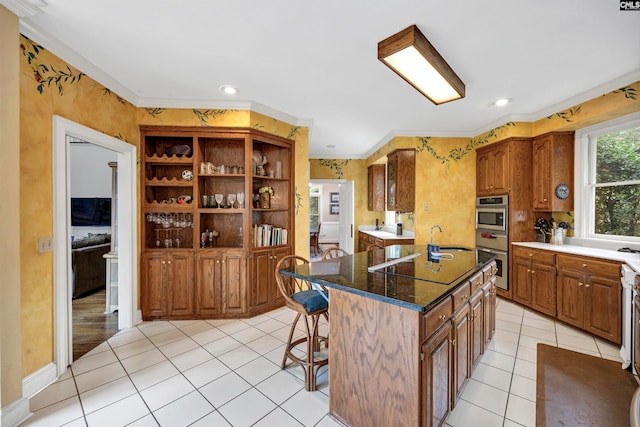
x: 562, y: 191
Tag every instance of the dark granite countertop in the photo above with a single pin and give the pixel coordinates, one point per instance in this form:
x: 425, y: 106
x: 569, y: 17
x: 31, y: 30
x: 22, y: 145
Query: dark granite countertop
x: 417, y: 283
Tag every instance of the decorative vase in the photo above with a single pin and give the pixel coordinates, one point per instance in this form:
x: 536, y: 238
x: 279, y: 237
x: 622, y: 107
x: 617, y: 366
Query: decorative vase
x: 265, y: 201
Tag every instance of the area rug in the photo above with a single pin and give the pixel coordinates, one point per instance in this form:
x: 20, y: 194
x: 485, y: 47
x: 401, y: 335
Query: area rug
x: 575, y: 389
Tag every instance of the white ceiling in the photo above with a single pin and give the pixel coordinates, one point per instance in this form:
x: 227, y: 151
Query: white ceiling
x: 315, y: 62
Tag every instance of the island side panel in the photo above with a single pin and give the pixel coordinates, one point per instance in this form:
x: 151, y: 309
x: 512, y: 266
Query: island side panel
x: 374, y: 361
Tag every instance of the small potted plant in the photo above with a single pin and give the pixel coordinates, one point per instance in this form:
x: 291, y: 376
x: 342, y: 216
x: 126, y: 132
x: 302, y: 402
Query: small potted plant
x: 265, y: 194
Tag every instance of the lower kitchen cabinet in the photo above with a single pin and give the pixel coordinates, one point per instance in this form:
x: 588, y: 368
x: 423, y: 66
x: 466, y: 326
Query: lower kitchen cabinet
x: 476, y: 349
x: 535, y: 279
x: 461, y: 345
x: 590, y: 295
x: 582, y: 291
x: 265, y: 294
x: 436, y: 376
x: 489, y: 310
x: 222, y: 284
x: 168, y: 284
x: 366, y: 239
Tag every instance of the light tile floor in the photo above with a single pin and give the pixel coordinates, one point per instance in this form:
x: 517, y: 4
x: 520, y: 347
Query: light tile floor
x: 221, y: 373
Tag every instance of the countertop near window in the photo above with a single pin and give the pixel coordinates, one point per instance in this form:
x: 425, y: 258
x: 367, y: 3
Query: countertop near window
x: 631, y: 259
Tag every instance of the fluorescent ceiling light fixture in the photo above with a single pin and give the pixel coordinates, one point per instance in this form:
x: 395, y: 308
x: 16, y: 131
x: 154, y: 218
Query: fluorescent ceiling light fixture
x: 228, y: 89
x: 502, y: 102
x: 413, y: 58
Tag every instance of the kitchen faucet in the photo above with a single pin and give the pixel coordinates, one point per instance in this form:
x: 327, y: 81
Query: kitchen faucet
x: 431, y: 234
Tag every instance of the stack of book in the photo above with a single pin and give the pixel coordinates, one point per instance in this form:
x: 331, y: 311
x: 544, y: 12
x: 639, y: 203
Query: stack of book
x: 268, y: 235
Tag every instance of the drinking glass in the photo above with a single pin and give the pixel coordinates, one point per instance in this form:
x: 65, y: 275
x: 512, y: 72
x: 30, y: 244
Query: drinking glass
x: 219, y: 198
x: 232, y: 199
x: 240, y: 196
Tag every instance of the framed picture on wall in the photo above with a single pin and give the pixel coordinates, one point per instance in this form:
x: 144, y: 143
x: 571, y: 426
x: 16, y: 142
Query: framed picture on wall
x: 335, y: 209
x: 334, y: 197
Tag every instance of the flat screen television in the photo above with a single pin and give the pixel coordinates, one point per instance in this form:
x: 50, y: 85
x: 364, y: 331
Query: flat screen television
x: 90, y: 211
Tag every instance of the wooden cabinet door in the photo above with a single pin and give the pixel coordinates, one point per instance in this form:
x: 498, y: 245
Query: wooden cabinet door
x: 260, y: 271
x: 401, y: 181
x: 154, y: 279
x: 543, y: 288
x: 460, y: 342
x: 570, y: 302
x: 181, y: 284
x: 636, y: 333
x: 436, y: 378
x: 483, y: 175
x: 522, y: 282
x: 542, y: 174
x: 477, y: 327
x: 603, y: 296
x: 208, y: 285
x: 500, y: 167
x: 233, y: 283
x: 488, y: 311
x: 376, y: 188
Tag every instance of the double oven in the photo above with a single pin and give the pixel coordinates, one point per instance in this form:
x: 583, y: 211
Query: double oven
x: 492, y: 220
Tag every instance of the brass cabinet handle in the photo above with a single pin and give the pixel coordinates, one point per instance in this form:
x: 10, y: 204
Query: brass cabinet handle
x: 587, y: 285
x: 580, y: 283
x: 584, y: 265
x: 528, y: 270
x: 453, y: 341
x: 217, y: 261
x: 530, y: 254
x: 442, y: 317
x: 163, y: 262
x: 223, y: 261
x: 168, y: 262
x: 533, y: 271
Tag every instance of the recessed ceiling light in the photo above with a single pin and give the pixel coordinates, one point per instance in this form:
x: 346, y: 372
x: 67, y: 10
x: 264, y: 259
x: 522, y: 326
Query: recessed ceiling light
x: 502, y: 102
x: 228, y: 90
x: 331, y: 146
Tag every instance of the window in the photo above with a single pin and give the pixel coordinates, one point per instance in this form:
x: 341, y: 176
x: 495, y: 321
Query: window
x: 608, y: 180
x: 314, y: 207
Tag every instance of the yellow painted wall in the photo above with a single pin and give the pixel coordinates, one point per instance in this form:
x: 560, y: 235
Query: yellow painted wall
x: 10, y: 323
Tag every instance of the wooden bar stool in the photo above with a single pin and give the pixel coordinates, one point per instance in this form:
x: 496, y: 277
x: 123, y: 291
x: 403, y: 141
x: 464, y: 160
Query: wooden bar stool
x: 311, y: 305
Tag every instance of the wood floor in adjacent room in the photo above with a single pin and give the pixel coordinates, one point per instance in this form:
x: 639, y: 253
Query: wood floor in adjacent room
x: 91, y: 326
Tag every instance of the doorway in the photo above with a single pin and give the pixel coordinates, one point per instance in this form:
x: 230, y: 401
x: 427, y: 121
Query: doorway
x: 93, y: 201
x: 332, y: 207
x: 126, y: 235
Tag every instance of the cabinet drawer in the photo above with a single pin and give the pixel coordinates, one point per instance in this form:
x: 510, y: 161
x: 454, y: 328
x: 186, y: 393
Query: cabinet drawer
x: 476, y: 282
x: 589, y: 265
x: 536, y: 255
x: 461, y: 295
x: 436, y: 317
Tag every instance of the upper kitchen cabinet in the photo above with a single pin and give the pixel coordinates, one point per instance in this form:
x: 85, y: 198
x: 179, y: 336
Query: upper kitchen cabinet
x: 376, y: 187
x: 493, y: 170
x: 401, y: 180
x: 553, y: 172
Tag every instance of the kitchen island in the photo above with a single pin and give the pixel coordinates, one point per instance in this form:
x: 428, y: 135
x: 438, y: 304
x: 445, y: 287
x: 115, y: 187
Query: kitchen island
x: 404, y: 338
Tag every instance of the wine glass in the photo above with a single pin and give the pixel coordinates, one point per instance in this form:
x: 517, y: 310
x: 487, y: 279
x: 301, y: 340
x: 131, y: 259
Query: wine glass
x: 240, y: 196
x: 219, y: 198
x: 232, y: 199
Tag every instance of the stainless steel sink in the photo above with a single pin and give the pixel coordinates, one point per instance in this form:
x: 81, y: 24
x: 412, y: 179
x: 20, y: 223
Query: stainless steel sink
x: 454, y: 249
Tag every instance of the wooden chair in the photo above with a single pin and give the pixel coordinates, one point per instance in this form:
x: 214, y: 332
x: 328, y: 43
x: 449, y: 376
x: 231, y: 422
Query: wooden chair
x: 310, y: 305
x: 333, y: 252
x: 314, y: 238
x: 374, y: 246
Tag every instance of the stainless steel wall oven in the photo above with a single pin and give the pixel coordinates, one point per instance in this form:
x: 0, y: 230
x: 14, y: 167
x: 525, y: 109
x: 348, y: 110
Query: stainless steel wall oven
x: 492, y: 220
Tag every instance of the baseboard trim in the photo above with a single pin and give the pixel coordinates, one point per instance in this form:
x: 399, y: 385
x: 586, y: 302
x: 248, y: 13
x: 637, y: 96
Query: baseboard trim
x: 15, y: 413
x: 37, y: 381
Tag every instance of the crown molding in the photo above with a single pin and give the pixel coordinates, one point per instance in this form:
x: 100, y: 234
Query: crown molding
x: 24, y: 8
x: 74, y: 59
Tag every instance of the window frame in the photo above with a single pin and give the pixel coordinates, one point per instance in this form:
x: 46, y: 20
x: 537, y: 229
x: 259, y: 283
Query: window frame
x: 585, y: 164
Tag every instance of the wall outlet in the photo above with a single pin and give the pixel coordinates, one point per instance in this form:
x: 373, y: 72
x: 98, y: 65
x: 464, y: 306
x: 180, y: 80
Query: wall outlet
x: 426, y: 207
x: 45, y: 244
